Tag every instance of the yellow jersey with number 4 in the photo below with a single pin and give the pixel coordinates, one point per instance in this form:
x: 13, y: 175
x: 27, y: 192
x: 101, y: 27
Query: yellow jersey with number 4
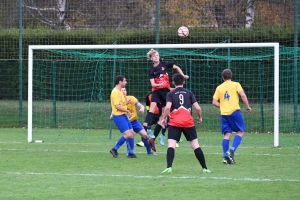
x: 228, y: 95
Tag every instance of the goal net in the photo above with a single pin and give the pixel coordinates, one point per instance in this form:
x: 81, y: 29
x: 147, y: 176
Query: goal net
x: 69, y: 85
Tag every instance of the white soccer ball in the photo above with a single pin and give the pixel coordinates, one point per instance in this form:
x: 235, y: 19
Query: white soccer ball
x: 183, y: 31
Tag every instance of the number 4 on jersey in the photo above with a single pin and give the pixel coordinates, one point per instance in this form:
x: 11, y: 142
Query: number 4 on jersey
x: 226, y: 95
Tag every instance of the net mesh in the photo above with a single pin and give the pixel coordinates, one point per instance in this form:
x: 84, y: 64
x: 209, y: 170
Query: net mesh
x: 72, y: 87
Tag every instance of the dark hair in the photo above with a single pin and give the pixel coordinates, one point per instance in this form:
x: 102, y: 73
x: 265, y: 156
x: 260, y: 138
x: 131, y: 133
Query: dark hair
x: 118, y: 79
x: 227, y: 74
x: 178, y: 79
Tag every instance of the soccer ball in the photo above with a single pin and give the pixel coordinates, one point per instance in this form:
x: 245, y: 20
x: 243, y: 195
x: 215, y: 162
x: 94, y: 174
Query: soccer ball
x: 183, y: 31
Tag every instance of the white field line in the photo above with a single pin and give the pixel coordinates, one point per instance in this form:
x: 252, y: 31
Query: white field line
x: 11, y: 142
x: 243, y: 146
x: 153, y: 177
x: 143, y: 152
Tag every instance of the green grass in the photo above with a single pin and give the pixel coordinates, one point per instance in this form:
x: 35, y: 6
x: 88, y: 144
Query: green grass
x: 76, y: 167
x: 95, y: 115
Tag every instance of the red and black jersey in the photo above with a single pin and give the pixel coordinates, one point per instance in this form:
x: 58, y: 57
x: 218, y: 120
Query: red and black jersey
x: 180, y: 112
x: 160, y: 74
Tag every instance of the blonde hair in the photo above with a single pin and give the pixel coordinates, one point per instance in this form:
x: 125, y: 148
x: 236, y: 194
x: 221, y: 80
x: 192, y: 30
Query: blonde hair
x: 151, y: 52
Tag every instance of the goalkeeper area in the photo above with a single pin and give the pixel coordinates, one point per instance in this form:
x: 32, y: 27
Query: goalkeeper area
x: 69, y: 86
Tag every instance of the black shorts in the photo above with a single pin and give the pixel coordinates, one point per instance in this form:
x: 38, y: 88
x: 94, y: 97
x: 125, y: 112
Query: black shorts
x: 159, y: 96
x: 175, y: 133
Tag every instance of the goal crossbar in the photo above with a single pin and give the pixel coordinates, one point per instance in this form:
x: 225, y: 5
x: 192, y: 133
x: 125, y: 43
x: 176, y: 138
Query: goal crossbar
x: 148, y: 46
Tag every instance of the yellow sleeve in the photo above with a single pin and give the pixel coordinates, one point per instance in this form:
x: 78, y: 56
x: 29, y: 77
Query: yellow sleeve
x: 216, y: 95
x: 239, y: 87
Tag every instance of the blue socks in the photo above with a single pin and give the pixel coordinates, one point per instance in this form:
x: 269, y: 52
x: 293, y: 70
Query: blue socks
x: 225, y: 145
x: 236, y: 143
x: 130, y: 146
x: 119, y: 143
x: 148, y: 148
x: 129, y: 143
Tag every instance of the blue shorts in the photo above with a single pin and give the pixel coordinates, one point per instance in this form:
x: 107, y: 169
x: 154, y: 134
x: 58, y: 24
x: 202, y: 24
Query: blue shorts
x: 234, y: 122
x: 137, y: 126
x: 122, y: 122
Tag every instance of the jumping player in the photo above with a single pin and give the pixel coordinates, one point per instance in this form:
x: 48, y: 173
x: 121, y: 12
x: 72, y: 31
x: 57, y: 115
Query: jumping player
x: 159, y: 79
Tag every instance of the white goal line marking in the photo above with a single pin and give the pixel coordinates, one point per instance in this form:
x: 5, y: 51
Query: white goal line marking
x: 159, y: 176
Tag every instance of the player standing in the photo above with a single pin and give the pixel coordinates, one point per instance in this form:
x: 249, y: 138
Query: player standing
x: 226, y: 98
x: 119, y: 115
x: 179, y: 104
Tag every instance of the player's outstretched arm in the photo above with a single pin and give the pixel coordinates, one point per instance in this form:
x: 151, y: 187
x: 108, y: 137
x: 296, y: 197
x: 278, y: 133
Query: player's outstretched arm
x: 245, y: 100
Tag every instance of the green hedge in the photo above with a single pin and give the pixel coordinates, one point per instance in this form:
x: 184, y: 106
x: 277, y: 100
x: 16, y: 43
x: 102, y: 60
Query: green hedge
x: 10, y: 38
x: 9, y: 65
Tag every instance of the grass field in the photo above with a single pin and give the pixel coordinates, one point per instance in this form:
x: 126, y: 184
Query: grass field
x: 95, y: 115
x: 72, y: 168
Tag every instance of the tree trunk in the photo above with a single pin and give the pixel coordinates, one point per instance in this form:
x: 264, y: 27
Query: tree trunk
x: 61, y: 5
x: 220, y: 14
x: 250, y: 13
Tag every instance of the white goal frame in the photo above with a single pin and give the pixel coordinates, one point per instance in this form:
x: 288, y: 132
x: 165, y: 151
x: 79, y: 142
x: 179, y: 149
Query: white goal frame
x: 159, y: 46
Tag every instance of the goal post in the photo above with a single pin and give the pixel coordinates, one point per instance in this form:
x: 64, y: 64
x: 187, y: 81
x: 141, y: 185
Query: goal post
x: 192, y: 56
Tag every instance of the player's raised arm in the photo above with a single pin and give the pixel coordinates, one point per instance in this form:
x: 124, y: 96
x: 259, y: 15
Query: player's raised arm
x: 180, y: 71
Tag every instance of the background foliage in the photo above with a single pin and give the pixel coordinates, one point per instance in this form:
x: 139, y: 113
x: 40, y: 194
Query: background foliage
x: 61, y: 22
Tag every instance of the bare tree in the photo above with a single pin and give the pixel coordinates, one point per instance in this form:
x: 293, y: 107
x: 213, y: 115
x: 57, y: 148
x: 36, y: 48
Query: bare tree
x: 44, y: 11
x: 219, y: 11
x: 249, y: 13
